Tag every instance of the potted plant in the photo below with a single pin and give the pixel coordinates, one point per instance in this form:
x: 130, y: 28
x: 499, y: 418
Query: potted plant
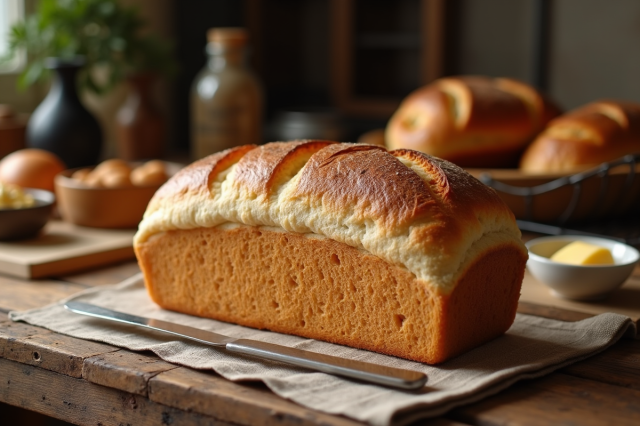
x: 89, y: 44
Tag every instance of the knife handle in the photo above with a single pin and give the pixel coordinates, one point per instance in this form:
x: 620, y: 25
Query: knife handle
x: 388, y: 376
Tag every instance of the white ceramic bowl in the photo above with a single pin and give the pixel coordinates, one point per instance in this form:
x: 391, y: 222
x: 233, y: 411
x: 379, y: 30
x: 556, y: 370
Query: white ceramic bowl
x: 576, y: 282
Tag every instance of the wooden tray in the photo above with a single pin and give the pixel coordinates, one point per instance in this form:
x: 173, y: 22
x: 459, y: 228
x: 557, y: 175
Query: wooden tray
x: 63, y: 248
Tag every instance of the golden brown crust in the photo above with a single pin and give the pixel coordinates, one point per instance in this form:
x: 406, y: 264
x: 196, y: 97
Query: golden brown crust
x: 369, y: 180
x: 261, y: 170
x: 442, y: 176
x: 462, y: 202
x: 322, y: 289
x: 437, y: 182
x: 586, y: 137
x: 492, y: 104
x: 405, y: 207
x: 471, y: 121
x: 197, y: 177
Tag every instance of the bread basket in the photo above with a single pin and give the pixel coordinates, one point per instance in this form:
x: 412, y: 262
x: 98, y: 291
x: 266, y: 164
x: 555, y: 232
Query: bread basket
x: 550, y: 203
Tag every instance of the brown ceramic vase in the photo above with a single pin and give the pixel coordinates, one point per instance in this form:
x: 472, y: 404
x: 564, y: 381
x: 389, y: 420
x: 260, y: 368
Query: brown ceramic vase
x: 140, y: 126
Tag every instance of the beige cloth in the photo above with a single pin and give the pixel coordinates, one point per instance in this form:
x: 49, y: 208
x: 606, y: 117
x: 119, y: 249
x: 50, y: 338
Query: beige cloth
x: 531, y: 348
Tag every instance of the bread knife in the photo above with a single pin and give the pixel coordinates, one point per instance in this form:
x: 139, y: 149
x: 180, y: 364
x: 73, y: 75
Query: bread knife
x: 359, y: 370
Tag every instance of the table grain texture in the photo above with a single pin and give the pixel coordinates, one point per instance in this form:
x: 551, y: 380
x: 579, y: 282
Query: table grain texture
x: 45, y: 375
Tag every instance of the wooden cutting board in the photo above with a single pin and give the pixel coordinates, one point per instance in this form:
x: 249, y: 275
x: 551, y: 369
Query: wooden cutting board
x: 63, y: 248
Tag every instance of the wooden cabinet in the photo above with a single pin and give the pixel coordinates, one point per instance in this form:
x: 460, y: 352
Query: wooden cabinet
x: 361, y: 57
x: 381, y: 51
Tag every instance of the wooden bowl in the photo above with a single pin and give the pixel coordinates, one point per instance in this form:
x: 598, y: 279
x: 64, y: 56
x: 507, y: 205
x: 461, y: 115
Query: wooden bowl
x: 18, y: 224
x: 83, y: 205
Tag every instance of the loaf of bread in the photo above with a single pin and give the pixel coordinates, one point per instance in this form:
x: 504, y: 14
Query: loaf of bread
x: 470, y: 121
x: 585, y: 137
x: 395, y: 252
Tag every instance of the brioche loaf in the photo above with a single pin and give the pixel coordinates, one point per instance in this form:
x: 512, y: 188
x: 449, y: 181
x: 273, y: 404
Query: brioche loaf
x: 471, y: 121
x: 585, y: 137
x: 395, y: 252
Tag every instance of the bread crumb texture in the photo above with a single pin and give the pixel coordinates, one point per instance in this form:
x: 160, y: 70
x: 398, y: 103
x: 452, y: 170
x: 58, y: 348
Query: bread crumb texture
x: 418, y: 213
x: 319, y: 288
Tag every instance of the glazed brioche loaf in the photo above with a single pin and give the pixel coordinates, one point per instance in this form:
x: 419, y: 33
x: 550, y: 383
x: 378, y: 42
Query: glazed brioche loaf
x: 471, y: 121
x: 585, y: 137
x: 396, y: 252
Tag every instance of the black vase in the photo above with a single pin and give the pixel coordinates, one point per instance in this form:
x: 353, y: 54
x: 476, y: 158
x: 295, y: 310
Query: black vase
x: 61, y: 124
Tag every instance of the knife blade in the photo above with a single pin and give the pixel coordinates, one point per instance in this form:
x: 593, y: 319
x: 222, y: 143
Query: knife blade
x: 359, y: 370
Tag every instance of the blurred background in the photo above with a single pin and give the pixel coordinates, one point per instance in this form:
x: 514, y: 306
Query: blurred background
x: 333, y: 69
x: 355, y: 60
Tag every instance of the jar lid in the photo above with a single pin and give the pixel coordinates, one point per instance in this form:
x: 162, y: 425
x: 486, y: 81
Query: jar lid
x: 228, y: 36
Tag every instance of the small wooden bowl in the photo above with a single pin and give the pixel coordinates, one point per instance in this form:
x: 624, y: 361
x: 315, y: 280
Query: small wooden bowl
x: 101, y: 207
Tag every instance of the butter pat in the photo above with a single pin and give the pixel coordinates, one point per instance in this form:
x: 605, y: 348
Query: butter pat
x: 581, y: 253
x: 13, y: 197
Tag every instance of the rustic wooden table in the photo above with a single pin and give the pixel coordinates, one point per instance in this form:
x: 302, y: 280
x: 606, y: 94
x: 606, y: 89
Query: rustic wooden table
x: 89, y: 383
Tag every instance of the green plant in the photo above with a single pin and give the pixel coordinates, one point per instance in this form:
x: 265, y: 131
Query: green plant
x: 106, y: 33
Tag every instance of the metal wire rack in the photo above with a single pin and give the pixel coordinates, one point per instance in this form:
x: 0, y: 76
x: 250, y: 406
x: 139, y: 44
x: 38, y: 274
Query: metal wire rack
x: 623, y: 226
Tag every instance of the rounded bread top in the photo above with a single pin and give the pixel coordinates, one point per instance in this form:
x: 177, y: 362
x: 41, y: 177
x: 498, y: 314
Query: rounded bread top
x: 411, y: 209
x: 459, y: 118
x: 585, y: 137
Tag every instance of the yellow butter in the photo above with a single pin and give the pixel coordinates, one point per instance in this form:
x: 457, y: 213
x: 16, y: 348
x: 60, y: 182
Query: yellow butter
x: 13, y: 197
x: 581, y: 253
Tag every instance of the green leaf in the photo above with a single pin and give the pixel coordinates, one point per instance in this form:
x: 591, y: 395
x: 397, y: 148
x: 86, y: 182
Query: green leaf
x: 104, y: 31
x: 32, y: 74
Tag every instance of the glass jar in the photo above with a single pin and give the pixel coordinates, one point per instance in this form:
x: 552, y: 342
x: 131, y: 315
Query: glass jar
x: 226, y: 97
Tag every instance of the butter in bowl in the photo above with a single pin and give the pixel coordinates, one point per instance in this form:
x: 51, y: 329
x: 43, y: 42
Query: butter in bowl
x: 581, y: 267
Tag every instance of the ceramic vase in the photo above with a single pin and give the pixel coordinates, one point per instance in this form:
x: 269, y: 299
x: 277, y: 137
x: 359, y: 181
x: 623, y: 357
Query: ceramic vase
x: 140, y: 127
x: 61, y: 124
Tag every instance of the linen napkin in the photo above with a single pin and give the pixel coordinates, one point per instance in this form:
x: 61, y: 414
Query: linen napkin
x: 532, y: 347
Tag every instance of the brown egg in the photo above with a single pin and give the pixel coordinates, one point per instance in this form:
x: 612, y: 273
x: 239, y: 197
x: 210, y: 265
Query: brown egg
x: 116, y: 179
x: 155, y: 165
x: 142, y: 176
x: 94, y: 180
x: 108, y: 166
x: 31, y: 168
x: 81, y: 174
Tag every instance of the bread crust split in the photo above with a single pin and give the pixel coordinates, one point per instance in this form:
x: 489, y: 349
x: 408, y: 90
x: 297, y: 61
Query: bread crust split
x: 586, y: 137
x: 395, y: 252
x: 471, y: 121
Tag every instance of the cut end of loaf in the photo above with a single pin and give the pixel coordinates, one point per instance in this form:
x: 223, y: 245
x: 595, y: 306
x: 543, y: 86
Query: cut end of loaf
x: 315, y: 287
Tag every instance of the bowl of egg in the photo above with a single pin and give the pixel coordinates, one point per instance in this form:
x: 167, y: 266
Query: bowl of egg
x: 114, y: 194
x: 581, y: 267
x: 23, y: 211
